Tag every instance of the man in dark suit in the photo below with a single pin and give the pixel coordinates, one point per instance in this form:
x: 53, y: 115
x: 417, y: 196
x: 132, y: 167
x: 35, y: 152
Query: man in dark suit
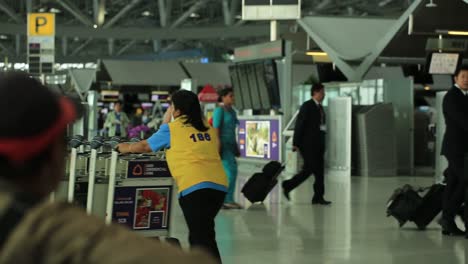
x: 309, y: 139
x: 454, y: 147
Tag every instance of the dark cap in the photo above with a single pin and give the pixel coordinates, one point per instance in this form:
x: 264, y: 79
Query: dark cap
x: 32, y: 116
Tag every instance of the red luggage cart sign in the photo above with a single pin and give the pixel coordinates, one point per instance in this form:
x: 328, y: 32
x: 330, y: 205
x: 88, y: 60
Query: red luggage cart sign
x: 148, y: 169
x: 143, y: 208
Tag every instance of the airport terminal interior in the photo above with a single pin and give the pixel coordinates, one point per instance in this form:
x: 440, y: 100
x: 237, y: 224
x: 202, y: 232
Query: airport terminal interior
x: 385, y: 66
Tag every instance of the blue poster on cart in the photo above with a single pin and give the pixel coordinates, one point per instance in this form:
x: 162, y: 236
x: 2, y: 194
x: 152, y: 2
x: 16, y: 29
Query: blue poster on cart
x: 143, y: 208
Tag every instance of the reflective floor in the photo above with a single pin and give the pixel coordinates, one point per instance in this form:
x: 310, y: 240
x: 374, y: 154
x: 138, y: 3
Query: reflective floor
x: 354, y: 229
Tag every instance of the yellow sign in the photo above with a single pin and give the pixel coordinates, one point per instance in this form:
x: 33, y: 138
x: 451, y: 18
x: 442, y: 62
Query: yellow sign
x: 41, y: 24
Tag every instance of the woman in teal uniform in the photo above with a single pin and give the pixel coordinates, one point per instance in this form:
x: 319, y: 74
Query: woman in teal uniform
x: 225, y: 122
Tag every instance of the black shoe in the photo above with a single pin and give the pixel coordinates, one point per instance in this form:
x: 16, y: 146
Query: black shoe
x: 321, y: 201
x: 286, y: 191
x: 449, y: 228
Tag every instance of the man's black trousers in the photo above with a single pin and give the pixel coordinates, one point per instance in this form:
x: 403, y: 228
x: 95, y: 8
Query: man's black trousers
x: 313, y: 164
x: 455, y: 191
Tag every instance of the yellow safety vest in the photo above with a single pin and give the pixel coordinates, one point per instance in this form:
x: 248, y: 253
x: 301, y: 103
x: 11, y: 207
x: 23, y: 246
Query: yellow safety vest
x: 193, y: 156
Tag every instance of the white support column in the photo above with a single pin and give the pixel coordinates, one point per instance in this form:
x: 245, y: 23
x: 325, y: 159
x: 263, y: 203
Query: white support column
x: 227, y: 13
x: 93, y: 97
x: 162, y: 13
x: 273, y: 30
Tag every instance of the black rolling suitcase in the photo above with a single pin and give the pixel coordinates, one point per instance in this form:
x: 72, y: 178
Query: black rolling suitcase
x: 403, y: 203
x: 407, y: 205
x: 430, y: 207
x: 260, y: 184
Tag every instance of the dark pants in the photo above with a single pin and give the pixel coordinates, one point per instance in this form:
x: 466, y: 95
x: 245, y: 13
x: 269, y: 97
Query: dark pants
x: 200, y: 209
x: 455, y: 191
x: 313, y: 164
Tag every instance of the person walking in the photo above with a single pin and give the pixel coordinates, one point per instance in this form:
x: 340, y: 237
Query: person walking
x: 194, y: 162
x: 117, y: 122
x: 225, y: 122
x: 454, y: 148
x: 309, y: 140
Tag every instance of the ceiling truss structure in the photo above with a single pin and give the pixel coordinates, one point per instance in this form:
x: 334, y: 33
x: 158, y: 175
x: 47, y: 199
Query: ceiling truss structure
x: 88, y: 29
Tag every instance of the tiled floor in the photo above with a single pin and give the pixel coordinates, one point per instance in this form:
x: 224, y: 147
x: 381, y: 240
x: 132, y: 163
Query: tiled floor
x: 354, y: 229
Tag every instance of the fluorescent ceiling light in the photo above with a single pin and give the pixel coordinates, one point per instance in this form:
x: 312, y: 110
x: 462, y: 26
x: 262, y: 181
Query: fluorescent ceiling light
x: 146, y: 13
x: 316, y: 53
x: 55, y: 10
x: 459, y: 33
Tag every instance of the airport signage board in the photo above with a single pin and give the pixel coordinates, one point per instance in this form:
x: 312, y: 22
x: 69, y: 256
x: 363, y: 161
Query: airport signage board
x: 268, y: 50
x: 41, y: 24
x: 41, y: 43
x: 271, y: 9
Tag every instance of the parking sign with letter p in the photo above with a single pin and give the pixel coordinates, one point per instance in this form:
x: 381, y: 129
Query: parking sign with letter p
x: 41, y: 24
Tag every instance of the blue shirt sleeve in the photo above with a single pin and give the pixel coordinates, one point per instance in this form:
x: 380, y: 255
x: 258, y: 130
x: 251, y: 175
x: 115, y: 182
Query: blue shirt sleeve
x: 160, y: 139
x: 217, y: 117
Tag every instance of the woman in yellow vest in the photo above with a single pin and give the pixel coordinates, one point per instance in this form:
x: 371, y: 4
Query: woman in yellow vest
x: 195, y: 165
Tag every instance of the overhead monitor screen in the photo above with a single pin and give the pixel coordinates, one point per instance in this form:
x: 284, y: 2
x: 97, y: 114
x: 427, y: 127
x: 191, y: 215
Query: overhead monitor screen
x: 444, y: 63
x: 253, y: 86
x: 244, y: 84
x: 271, y: 79
x: 109, y: 96
x: 262, y: 86
x: 236, y: 87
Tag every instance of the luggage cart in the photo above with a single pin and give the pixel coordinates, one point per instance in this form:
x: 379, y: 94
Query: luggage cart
x: 73, y: 187
x: 137, y: 191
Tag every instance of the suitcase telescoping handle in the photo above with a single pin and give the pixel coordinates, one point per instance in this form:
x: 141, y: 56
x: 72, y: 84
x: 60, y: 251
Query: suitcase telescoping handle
x: 75, y: 143
x: 95, y: 144
x: 112, y: 179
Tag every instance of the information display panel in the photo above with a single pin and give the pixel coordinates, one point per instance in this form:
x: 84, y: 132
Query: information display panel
x: 443, y: 63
